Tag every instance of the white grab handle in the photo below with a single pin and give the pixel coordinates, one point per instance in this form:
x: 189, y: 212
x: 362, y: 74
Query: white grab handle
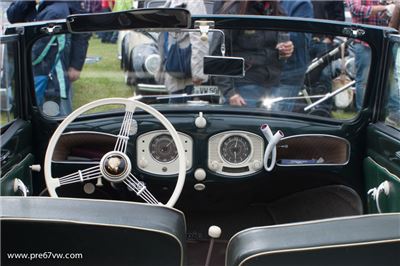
x: 375, y: 193
x: 271, y: 147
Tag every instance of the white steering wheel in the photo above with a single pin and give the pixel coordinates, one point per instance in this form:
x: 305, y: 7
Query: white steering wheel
x: 115, y: 166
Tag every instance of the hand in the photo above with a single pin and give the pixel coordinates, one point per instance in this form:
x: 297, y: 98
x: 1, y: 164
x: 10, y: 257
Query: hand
x: 237, y: 100
x: 285, y: 49
x: 73, y: 74
x: 390, y: 9
x: 197, y: 81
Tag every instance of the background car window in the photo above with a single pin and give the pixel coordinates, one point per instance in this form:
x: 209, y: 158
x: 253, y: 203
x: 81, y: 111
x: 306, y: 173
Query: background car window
x: 7, y: 83
x: 391, y: 107
x: 286, y: 72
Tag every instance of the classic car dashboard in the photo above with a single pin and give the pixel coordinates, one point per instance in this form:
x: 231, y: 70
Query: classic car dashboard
x: 226, y: 155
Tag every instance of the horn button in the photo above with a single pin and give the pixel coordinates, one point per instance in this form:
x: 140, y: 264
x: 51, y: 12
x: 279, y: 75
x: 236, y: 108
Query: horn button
x: 115, y: 166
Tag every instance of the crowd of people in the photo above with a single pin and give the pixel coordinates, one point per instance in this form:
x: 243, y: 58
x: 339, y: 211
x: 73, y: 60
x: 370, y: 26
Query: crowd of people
x: 276, y: 62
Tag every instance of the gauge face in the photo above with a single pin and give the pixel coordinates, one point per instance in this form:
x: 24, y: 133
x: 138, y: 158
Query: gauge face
x: 235, y: 149
x: 163, y: 149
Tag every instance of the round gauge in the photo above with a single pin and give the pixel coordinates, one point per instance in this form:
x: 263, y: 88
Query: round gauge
x: 163, y: 149
x: 235, y: 149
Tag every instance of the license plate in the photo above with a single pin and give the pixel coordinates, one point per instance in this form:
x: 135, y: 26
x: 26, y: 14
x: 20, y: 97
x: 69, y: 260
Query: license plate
x: 204, y: 89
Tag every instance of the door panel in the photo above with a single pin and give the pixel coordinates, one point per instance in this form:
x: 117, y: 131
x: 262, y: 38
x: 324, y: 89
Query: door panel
x: 382, y: 163
x: 16, y: 133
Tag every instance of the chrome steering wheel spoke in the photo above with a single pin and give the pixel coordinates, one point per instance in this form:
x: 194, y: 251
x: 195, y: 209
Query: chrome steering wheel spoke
x: 140, y: 189
x: 126, y: 128
x: 80, y: 176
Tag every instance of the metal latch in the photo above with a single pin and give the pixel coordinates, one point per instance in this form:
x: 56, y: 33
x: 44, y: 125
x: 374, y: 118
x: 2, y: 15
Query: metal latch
x: 51, y: 29
x: 353, y: 32
x: 204, y: 26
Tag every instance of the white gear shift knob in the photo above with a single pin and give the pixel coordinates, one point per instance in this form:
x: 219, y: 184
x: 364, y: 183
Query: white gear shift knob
x: 214, y: 231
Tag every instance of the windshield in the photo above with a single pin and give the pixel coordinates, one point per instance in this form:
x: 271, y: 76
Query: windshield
x: 267, y: 71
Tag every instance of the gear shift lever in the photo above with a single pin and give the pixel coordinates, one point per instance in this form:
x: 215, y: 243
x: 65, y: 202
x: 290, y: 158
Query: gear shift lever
x: 213, y: 232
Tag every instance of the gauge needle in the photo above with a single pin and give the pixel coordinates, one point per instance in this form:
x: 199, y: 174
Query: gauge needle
x: 169, y: 143
x: 235, y: 154
x: 236, y: 142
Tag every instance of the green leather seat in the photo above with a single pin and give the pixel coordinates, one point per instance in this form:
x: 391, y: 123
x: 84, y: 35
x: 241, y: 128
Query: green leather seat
x: 368, y: 240
x: 104, y: 232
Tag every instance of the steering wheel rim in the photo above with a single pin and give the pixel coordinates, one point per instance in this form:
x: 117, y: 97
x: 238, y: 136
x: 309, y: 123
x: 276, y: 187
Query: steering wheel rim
x: 130, y: 105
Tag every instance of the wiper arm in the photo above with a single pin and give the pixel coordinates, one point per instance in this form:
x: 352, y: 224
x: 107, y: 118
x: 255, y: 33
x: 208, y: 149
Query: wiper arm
x: 171, y: 96
x: 268, y: 102
x: 329, y: 95
x: 184, y: 95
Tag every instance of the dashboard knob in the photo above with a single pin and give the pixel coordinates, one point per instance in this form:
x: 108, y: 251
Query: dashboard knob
x: 199, y: 187
x: 200, y: 174
x: 200, y: 121
x: 143, y: 163
x: 214, y: 165
x: 257, y: 164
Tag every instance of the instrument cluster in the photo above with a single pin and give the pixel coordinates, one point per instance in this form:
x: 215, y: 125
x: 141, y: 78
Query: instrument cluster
x: 230, y: 153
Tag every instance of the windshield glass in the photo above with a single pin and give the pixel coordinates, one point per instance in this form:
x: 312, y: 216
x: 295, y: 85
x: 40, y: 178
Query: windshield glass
x: 267, y: 71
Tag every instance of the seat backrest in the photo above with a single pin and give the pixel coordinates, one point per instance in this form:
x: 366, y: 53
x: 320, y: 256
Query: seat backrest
x: 358, y: 240
x: 89, y: 232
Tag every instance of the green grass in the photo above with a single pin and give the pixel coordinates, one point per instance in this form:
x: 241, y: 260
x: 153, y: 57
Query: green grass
x: 103, y: 79
x: 343, y: 115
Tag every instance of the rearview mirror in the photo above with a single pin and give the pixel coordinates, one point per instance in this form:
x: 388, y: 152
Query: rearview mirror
x: 154, y: 18
x: 224, y: 66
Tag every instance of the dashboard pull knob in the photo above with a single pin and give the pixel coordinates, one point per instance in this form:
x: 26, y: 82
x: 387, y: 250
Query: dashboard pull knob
x: 200, y: 174
x: 36, y: 167
x: 200, y: 121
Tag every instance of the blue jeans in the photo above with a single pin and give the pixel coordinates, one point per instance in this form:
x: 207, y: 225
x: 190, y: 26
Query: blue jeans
x: 393, y: 102
x: 253, y: 94
x: 362, y: 62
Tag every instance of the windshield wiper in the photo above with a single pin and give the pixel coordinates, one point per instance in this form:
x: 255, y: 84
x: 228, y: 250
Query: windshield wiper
x: 172, y: 96
x: 329, y: 95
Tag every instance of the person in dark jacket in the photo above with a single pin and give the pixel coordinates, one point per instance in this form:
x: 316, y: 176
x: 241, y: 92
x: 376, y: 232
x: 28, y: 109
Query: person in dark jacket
x: 261, y: 50
x: 66, y: 56
x: 292, y: 77
x: 331, y: 9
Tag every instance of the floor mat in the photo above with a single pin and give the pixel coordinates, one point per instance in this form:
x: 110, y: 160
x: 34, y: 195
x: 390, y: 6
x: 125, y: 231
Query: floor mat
x: 319, y: 203
x: 197, y: 253
x: 229, y: 222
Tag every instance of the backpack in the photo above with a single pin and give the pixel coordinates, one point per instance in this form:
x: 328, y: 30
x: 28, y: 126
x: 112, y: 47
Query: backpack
x: 54, y: 84
x: 177, y: 60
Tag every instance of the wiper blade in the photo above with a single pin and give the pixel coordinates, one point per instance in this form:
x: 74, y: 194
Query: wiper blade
x: 184, y: 95
x: 171, y: 96
x: 329, y: 95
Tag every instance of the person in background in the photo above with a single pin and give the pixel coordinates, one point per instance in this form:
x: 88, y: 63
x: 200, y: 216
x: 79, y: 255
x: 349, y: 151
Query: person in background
x: 108, y: 36
x: 292, y: 77
x: 199, y: 50
x: 320, y: 79
x: 370, y: 12
x: 392, y: 114
x: 93, y: 6
x: 73, y: 47
x: 264, y: 54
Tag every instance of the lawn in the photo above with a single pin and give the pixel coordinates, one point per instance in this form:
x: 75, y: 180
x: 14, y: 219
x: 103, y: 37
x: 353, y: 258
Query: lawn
x: 102, y: 79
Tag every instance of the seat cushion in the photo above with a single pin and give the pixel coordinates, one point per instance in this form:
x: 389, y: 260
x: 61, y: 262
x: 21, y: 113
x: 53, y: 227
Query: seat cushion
x: 358, y: 240
x: 96, y: 232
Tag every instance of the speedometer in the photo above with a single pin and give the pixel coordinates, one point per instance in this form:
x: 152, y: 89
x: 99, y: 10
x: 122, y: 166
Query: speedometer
x: 235, y: 149
x: 163, y: 149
